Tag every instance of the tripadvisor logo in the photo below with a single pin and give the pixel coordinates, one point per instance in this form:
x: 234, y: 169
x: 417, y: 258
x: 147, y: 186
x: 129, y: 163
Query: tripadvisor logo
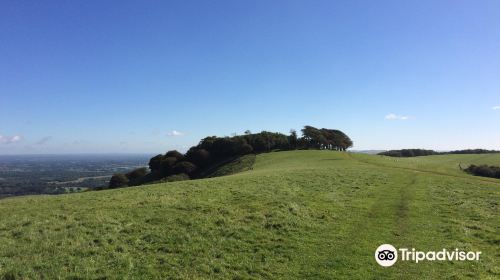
x: 387, y: 255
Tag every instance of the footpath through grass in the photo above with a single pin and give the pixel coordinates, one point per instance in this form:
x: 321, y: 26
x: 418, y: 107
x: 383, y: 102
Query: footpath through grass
x: 295, y: 215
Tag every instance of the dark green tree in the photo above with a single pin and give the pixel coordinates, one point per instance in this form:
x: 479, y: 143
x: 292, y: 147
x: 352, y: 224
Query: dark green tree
x: 246, y: 149
x: 154, y: 162
x: 137, y: 173
x: 293, y: 139
x: 118, y: 181
x: 167, y: 166
x: 199, y: 157
x: 185, y: 167
x: 175, y: 154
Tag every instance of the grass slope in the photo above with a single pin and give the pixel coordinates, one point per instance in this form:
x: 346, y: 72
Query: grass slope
x: 237, y: 165
x: 295, y: 215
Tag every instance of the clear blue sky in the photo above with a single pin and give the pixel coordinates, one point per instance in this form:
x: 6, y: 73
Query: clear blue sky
x: 148, y: 76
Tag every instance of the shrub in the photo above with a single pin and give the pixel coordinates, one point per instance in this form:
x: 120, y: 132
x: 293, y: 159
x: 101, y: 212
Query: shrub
x: 484, y: 171
x: 118, y: 181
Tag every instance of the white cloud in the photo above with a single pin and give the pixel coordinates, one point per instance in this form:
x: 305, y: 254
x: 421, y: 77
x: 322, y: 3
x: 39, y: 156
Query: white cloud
x: 10, y: 139
x: 175, y: 133
x: 393, y: 116
x: 496, y: 108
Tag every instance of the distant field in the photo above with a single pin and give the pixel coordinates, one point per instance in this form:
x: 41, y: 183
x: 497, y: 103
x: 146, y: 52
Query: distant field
x: 55, y: 174
x: 293, y: 215
x: 439, y: 164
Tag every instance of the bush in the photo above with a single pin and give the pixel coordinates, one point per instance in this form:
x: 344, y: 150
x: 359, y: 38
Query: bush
x: 184, y: 167
x: 484, y: 171
x: 137, y: 173
x: 118, y: 181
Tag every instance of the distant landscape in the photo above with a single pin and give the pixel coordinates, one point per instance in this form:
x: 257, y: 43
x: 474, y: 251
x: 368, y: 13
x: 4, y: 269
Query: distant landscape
x: 56, y: 174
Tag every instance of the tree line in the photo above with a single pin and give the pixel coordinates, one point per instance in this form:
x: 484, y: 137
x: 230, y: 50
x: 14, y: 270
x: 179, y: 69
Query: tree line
x: 408, y: 153
x: 422, y: 152
x: 212, y: 151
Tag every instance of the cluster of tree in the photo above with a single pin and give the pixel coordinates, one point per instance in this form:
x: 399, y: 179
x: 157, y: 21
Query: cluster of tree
x: 328, y: 139
x: 472, y: 151
x: 212, y: 151
x: 421, y: 152
x: 409, y: 153
x: 484, y: 170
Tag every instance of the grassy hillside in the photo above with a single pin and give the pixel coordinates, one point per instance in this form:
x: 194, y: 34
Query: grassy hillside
x: 236, y: 165
x: 294, y: 215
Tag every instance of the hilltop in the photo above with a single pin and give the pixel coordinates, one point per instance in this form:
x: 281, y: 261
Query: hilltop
x: 212, y: 153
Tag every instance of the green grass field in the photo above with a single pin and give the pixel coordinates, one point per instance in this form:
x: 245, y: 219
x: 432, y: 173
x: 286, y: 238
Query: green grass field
x: 293, y: 215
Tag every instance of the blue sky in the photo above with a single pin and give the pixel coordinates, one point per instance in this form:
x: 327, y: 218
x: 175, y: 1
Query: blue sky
x: 148, y: 76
